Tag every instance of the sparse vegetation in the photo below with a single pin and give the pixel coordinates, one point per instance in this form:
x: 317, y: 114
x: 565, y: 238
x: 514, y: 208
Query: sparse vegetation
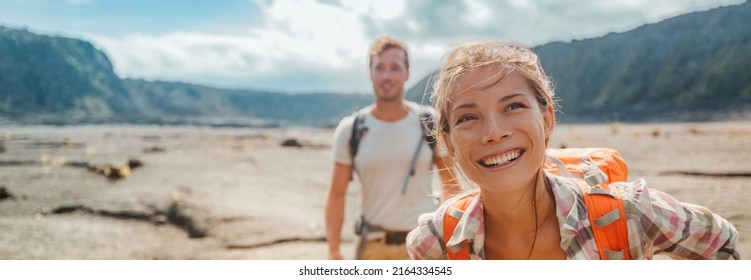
x: 655, y: 132
x: 615, y: 127
x: 693, y: 130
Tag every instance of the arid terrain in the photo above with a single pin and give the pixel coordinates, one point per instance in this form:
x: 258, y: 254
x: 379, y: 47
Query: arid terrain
x: 231, y: 193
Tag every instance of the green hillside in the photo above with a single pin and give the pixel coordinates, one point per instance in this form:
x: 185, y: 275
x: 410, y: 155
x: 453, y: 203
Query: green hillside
x: 180, y: 102
x: 47, y: 78
x: 693, y: 67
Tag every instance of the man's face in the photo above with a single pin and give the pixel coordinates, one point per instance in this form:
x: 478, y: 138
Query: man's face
x: 388, y: 74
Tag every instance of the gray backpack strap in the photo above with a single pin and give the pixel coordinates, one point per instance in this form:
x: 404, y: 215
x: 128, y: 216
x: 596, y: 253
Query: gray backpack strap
x: 428, y: 137
x: 427, y: 125
x: 362, y: 228
x: 358, y: 131
x: 412, y: 166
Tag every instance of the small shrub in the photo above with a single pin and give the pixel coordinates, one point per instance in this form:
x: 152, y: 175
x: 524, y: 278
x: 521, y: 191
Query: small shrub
x: 693, y: 130
x: 615, y: 127
x: 655, y: 132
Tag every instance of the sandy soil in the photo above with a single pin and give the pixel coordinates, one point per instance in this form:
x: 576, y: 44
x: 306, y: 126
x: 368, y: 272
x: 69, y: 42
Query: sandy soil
x: 216, y: 193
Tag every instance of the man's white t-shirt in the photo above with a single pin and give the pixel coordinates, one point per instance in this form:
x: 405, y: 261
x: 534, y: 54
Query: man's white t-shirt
x: 382, y: 163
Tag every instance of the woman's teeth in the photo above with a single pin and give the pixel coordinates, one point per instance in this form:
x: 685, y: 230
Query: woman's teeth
x: 500, y: 160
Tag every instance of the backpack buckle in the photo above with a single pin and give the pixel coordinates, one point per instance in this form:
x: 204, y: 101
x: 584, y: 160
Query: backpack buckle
x: 593, y: 175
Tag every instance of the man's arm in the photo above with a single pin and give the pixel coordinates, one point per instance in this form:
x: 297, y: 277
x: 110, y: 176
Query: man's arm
x: 335, y: 207
x: 448, y: 181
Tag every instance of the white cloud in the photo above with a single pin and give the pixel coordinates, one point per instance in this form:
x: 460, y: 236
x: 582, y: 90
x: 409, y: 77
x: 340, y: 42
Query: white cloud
x: 479, y: 14
x: 379, y: 9
x: 298, y: 38
x: 305, y: 46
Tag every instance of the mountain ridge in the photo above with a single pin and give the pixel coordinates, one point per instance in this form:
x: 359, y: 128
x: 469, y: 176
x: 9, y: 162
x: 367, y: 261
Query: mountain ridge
x: 632, y: 75
x: 690, y: 67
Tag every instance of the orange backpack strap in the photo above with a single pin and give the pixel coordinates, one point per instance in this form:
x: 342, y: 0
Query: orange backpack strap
x: 607, y: 217
x: 450, y: 221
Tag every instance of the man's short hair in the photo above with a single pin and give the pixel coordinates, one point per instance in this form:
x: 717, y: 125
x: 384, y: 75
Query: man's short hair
x: 384, y: 43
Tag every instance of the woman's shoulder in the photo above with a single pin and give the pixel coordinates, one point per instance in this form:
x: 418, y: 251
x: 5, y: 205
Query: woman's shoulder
x: 632, y: 187
x: 634, y: 193
x: 426, y: 241
x: 632, y: 190
x: 564, y: 186
x: 438, y: 215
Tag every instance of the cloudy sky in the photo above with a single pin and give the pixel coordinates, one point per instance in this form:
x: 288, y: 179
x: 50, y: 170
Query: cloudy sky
x: 300, y: 46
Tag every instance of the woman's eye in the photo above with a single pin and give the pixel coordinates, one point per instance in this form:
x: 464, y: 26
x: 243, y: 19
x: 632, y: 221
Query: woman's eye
x: 464, y: 118
x: 515, y: 105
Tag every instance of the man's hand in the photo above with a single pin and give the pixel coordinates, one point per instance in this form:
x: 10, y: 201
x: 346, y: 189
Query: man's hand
x: 335, y: 255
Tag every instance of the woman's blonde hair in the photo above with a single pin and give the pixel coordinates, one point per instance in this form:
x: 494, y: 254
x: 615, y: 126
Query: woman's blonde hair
x: 503, y: 56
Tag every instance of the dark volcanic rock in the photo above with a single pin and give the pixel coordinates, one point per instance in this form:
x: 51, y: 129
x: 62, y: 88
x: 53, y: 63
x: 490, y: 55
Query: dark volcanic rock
x: 4, y: 194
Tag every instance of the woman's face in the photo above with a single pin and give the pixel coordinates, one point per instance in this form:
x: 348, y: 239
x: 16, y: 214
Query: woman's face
x: 497, y: 129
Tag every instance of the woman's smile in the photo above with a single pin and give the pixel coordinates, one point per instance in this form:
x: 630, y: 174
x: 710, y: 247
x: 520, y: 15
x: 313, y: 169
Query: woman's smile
x: 500, y: 160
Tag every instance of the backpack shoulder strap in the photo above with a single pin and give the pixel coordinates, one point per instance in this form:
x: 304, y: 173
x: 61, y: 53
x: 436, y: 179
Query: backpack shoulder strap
x: 607, y: 218
x: 358, y: 130
x: 427, y: 117
x: 450, y: 220
x: 427, y: 121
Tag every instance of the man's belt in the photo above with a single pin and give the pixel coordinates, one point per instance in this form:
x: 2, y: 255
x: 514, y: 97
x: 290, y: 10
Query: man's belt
x: 362, y: 228
x: 395, y: 237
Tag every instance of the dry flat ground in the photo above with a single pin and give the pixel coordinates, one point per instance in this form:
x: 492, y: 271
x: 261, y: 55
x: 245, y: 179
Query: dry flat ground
x: 214, y: 193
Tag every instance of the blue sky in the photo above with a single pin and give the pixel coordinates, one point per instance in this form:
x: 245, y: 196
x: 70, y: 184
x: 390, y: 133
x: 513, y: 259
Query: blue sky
x: 303, y: 46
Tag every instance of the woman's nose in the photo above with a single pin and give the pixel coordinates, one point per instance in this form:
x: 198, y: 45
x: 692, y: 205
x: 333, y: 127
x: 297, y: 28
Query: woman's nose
x: 495, y: 130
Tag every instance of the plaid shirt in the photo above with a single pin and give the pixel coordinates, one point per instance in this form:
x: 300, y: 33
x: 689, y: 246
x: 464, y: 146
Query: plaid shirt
x: 657, y: 224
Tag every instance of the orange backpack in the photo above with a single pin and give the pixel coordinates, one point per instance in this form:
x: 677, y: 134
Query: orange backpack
x: 595, y: 168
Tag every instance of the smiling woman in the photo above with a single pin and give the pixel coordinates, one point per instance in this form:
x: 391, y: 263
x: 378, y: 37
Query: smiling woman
x: 496, y: 115
x: 513, y: 111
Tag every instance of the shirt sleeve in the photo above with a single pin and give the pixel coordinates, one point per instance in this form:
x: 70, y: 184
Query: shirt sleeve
x: 682, y: 230
x: 340, y: 143
x: 423, y: 242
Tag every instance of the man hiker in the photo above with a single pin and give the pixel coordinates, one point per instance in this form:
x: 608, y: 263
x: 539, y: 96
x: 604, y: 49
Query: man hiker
x: 388, y: 146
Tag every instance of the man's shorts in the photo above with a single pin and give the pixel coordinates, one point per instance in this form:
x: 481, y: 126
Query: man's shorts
x: 390, y: 246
